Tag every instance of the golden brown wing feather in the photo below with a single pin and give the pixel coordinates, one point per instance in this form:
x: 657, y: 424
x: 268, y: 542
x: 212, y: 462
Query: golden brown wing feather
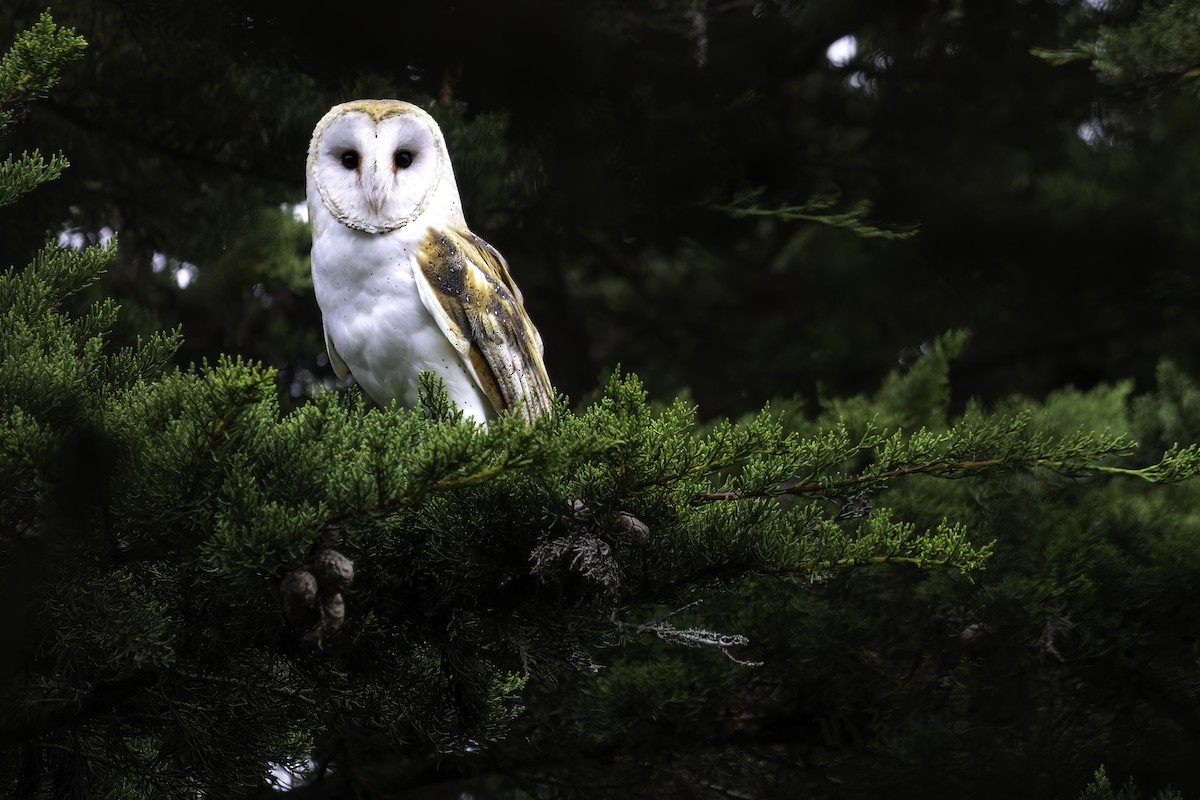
x: 480, y: 309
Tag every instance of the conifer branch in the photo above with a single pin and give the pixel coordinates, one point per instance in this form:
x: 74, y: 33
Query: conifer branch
x: 696, y: 469
x: 34, y: 61
x: 436, y: 485
x: 817, y: 210
x: 1177, y: 464
x: 664, y: 629
x: 815, y: 566
x: 26, y: 173
x: 1152, y: 474
x: 814, y: 487
x: 105, y: 695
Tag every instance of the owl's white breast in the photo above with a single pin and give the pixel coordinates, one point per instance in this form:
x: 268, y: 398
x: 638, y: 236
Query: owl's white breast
x: 366, y: 287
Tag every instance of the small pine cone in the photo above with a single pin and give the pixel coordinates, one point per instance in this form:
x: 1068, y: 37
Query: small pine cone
x: 975, y: 634
x: 299, y: 592
x: 330, y: 615
x: 637, y: 530
x: 311, y: 636
x: 334, y: 571
x: 333, y: 614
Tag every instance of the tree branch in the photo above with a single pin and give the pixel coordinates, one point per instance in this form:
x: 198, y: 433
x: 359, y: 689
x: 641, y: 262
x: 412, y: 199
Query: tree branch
x: 23, y: 728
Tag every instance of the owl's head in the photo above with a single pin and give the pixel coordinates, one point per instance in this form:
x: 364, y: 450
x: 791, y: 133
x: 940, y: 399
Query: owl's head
x: 377, y: 165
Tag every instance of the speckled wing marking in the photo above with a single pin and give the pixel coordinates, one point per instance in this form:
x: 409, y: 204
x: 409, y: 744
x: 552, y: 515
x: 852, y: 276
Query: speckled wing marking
x: 465, y: 284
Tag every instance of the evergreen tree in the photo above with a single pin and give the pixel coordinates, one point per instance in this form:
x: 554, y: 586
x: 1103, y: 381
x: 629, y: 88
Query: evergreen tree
x: 1072, y: 648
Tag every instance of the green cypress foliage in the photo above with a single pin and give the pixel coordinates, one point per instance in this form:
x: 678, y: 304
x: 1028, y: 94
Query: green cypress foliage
x: 1101, y: 788
x: 195, y: 585
x: 1073, y: 647
x: 27, y: 71
x: 1156, y: 49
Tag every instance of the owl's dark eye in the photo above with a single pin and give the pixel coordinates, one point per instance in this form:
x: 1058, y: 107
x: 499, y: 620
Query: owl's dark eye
x: 350, y: 159
x: 404, y: 159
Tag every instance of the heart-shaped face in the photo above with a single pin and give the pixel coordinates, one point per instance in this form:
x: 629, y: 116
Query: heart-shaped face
x: 377, y: 165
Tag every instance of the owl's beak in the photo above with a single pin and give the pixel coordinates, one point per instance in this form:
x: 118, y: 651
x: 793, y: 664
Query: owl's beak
x: 377, y: 192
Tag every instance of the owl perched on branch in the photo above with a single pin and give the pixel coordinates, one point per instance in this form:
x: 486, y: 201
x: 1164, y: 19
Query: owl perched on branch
x: 403, y: 284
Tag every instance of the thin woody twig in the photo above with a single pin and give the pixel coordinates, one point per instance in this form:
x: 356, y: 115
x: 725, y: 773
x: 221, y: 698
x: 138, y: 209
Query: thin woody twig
x: 854, y: 480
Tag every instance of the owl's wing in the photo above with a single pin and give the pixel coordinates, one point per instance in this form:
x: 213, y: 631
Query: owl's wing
x: 465, y: 285
x: 340, y: 367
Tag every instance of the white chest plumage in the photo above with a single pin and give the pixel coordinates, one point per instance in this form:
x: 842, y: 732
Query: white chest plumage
x: 403, y: 285
x: 367, y: 290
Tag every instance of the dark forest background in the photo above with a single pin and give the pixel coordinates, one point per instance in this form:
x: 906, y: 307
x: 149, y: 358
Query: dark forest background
x: 612, y: 150
x: 742, y: 202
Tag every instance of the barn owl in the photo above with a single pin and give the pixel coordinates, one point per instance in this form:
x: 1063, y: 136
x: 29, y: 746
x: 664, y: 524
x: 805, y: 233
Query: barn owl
x: 403, y: 284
